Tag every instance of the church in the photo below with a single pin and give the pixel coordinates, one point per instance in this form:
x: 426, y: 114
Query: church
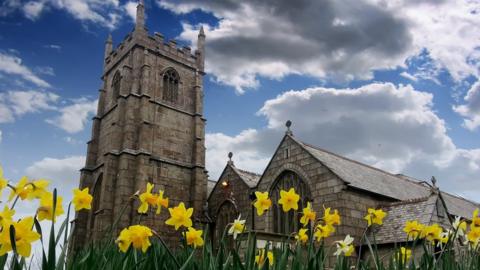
x: 150, y: 127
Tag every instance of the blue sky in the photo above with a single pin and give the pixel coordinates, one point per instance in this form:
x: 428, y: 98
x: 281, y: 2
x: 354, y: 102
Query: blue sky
x: 394, y: 85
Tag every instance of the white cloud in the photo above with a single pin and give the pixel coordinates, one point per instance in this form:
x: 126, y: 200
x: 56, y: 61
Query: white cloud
x: 105, y: 13
x: 33, y: 9
x: 60, y: 171
x: 1, y: 136
x: 408, y: 76
x: 22, y: 102
x: 45, y: 70
x: 394, y: 128
x: 74, y: 117
x: 18, y: 103
x: 12, y: 65
x: 53, y: 46
x: 334, y: 40
x: 131, y: 9
x: 471, y: 109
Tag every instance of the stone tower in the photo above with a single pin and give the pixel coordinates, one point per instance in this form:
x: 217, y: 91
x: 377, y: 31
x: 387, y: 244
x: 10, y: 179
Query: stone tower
x: 149, y: 127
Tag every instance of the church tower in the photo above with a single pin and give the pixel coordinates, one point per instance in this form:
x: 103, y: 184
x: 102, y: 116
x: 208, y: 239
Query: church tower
x: 149, y: 127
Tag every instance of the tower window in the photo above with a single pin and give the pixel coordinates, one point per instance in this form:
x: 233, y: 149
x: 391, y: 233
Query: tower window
x: 170, y: 85
x: 116, y: 82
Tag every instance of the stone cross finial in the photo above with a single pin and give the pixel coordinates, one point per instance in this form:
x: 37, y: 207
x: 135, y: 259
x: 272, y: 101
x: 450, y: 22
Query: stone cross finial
x: 435, y: 189
x: 288, y: 124
x: 230, y: 161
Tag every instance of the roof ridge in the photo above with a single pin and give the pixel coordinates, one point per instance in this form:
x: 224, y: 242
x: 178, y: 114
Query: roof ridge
x: 362, y: 164
x: 405, y: 202
x: 249, y: 172
x: 460, y: 197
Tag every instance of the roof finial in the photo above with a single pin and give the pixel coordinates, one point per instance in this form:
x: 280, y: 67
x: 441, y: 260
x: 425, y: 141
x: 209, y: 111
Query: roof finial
x: 140, y: 20
x: 201, y: 32
x: 230, y: 161
x: 288, y: 124
x: 435, y: 188
x: 108, y: 46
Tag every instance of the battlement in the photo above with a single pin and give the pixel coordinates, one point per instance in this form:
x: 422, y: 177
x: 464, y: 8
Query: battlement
x: 156, y: 44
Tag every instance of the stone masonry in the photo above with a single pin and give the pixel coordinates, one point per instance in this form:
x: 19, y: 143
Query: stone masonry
x: 140, y: 136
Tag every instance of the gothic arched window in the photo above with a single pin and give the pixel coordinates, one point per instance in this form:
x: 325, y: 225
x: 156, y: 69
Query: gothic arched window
x: 116, y: 82
x: 96, y: 193
x: 227, y: 212
x: 170, y: 85
x: 289, y: 222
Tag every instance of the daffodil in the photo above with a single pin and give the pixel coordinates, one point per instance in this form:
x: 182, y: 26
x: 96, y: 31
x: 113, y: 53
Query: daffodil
x: 161, y: 202
x: 238, y: 226
x: 29, y: 190
x: 405, y: 254
x: 413, y: 229
x: 262, y: 203
x: 323, y: 231
x: 20, y: 189
x: 431, y: 233
x: 6, y: 216
x: 137, y: 235
x: 460, y: 226
x: 3, y: 181
x: 24, y: 237
x: 82, y: 199
x: 308, y: 215
x: 45, y: 210
x: 147, y: 199
x: 345, y: 247
x: 331, y: 219
x: 473, y: 236
x: 302, y: 236
x: 475, y: 219
x: 194, y: 237
x: 260, y: 258
x: 444, y: 237
x: 289, y: 200
x: 180, y: 216
x: 375, y: 216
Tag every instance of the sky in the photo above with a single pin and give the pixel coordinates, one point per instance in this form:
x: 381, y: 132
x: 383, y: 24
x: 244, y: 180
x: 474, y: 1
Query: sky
x: 394, y: 84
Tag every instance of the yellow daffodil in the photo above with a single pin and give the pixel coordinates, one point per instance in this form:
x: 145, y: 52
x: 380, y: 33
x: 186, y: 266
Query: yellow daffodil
x: 460, y: 226
x: 260, y: 258
x: 289, y: 200
x: 20, y: 189
x: 137, y: 236
x: 405, y: 254
x: 431, y: 233
x: 45, y: 210
x: 29, y: 190
x: 323, y: 231
x: 331, y: 219
x: 24, y: 237
x: 180, y: 216
x: 308, y: 215
x: 475, y: 219
x: 345, y: 247
x: 413, y: 229
x: 473, y: 236
x: 238, y: 226
x: 161, y: 202
x: 3, y: 181
x: 82, y: 199
x: 375, y: 216
x: 147, y: 199
x: 194, y: 237
x: 302, y: 236
x: 6, y: 216
x: 262, y: 203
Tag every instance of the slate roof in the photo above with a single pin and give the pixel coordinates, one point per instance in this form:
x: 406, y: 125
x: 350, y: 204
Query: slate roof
x: 210, y: 186
x: 400, y: 187
x: 250, y: 178
x: 399, y: 213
